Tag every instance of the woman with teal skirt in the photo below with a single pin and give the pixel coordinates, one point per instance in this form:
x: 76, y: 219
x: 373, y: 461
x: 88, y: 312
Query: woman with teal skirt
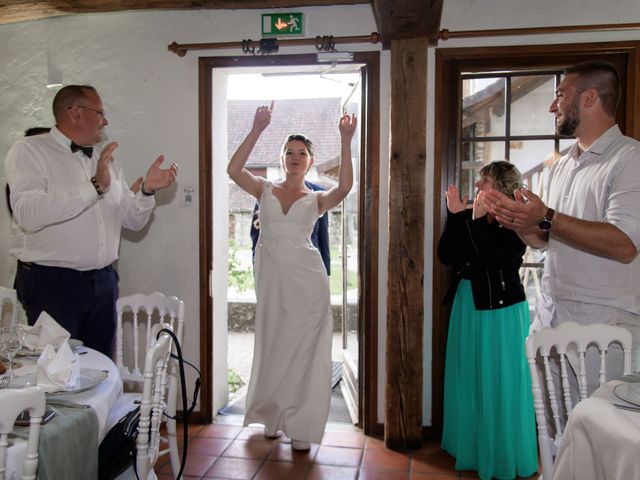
x: 489, y: 422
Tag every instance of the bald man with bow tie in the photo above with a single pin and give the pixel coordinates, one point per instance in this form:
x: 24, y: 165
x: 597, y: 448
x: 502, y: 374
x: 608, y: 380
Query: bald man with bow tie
x: 70, y: 203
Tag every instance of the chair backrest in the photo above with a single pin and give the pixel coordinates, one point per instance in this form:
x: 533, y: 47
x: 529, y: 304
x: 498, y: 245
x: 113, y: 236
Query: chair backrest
x: 153, y: 404
x: 167, y: 309
x: 573, y: 338
x: 13, y: 402
x: 8, y: 298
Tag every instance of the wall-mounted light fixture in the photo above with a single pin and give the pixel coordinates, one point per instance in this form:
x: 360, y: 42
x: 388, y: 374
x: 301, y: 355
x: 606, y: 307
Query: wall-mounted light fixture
x: 54, y: 73
x: 333, y: 57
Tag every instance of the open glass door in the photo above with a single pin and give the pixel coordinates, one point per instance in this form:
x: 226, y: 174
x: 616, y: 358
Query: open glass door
x: 349, y: 262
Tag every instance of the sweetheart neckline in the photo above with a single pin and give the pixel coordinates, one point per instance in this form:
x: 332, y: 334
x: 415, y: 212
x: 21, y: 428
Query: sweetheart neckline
x: 284, y: 214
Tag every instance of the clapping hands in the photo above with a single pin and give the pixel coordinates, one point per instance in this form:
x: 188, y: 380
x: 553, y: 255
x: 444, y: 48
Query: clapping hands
x: 479, y: 207
x: 524, y: 211
x: 103, y: 175
x: 455, y: 204
x: 157, y: 177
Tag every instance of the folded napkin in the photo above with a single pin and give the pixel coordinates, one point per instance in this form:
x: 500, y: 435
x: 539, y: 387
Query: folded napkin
x: 46, y: 331
x: 57, y: 370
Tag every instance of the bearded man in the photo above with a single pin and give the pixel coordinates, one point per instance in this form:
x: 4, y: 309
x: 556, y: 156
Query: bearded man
x: 589, y: 217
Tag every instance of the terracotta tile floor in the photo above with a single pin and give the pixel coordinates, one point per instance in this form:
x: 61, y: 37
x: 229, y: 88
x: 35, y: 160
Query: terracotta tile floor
x: 227, y: 451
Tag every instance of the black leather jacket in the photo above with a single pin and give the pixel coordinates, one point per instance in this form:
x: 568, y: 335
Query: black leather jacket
x: 488, y: 255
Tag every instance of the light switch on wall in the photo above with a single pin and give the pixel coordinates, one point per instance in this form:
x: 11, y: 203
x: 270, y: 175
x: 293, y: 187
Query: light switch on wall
x: 187, y: 195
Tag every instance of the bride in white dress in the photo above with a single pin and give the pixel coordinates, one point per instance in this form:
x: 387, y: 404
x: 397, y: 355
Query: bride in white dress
x: 290, y: 385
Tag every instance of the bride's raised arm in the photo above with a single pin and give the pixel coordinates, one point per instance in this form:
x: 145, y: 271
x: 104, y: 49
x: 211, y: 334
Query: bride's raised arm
x: 247, y: 181
x: 332, y: 197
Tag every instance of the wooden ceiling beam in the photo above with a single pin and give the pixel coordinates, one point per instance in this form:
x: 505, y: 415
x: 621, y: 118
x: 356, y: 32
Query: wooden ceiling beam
x: 13, y: 11
x: 404, y: 19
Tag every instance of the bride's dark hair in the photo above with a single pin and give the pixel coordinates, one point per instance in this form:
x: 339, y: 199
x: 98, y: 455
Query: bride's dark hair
x: 300, y: 138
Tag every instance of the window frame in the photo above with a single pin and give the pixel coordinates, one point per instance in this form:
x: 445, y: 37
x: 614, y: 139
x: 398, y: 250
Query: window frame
x: 507, y: 137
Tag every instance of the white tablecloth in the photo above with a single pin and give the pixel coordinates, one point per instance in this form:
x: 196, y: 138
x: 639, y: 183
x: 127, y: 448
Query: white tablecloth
x: 101, y: 398
x: 600, y: 441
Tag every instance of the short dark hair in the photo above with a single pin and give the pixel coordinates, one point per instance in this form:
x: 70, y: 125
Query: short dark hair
x: 603, y: 77
x: 506, y: 177
x: 300, y: 138
x: 68, y: 95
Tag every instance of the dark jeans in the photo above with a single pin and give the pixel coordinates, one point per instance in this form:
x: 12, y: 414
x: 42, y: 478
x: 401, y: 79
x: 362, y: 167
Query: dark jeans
x: 83, y: 302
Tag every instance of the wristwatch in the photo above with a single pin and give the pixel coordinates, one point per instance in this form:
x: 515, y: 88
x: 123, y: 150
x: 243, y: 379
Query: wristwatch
x: 547, y: 220
x: 144, y: 191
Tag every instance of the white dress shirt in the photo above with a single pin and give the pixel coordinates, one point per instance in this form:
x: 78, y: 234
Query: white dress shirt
x: 603, y: 185
x: 58, y: 218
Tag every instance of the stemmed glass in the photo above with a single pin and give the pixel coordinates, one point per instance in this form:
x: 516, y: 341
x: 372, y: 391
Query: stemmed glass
x: 11, y: 339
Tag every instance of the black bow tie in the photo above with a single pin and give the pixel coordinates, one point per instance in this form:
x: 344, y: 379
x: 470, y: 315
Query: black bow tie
x: 88, y: 151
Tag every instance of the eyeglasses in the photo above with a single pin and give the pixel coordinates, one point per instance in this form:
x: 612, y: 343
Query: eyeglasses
x: 99, y: 112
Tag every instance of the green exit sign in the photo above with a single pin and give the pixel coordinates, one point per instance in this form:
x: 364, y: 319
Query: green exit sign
x: 288, y: 23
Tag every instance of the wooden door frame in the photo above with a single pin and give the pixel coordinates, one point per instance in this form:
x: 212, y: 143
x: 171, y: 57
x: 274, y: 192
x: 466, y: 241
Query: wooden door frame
x: 450, y: 63
x: 368, y: 222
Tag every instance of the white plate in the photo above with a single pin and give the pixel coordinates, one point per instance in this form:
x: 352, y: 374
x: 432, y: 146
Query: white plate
x: 88, y: 378
x: 629, y: 392
x: 73, y: 344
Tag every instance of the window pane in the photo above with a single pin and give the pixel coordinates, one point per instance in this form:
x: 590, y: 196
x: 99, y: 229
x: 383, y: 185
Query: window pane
x: 531, y: 97
x: 483, y: 107
x: 482, y: 152
x: 530, y: 157
x: 474, y: 156
x: 350, y: 275
x: 565, y: 145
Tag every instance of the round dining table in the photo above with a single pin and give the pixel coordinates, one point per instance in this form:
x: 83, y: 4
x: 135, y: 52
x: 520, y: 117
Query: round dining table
x: 602, y: 437
x: 101, y: 398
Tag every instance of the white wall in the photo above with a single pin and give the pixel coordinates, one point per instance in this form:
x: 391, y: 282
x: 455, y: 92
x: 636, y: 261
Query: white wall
x: 499, y: 14
x: 151, y: 98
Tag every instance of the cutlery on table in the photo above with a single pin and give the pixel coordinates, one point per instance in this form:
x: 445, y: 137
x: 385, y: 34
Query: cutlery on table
x: 5, y: 381
x: 627, y: 407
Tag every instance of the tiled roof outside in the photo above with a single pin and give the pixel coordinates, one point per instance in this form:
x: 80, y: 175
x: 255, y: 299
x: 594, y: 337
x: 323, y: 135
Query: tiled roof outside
x: 317, y: 118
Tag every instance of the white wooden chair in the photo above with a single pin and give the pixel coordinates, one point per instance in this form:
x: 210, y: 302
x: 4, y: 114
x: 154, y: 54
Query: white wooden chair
x: 168, y: 309
x: 8, y: 297
x: 13, y: 402
x: 575, y: 338
x: 153, y: 404
x: 137, y: 315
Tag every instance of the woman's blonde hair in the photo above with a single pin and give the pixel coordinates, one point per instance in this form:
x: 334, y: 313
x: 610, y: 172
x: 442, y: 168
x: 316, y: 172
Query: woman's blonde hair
x: 506, y: 177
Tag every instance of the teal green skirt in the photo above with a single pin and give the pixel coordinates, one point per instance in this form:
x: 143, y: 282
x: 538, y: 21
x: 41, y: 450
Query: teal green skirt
x: 489, y: 421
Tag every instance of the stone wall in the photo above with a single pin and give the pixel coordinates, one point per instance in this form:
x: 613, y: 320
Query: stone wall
x: 241, y: 316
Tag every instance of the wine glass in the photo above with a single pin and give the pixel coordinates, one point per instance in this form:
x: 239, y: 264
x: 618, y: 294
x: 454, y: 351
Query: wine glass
x: 11, y: 339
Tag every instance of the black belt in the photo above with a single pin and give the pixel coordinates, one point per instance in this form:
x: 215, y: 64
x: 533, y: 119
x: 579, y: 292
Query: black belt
x: 36, y: 266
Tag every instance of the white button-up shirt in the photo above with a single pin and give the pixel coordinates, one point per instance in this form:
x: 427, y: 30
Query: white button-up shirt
x: 58, y: 218
x: 602, y: 185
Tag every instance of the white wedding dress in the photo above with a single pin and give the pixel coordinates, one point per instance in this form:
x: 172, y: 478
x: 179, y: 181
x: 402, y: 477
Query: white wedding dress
x: 290, y: 385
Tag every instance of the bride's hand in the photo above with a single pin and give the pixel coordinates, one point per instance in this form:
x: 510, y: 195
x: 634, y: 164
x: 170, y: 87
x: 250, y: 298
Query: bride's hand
x: 347, y: 126
x: 262, y: 118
